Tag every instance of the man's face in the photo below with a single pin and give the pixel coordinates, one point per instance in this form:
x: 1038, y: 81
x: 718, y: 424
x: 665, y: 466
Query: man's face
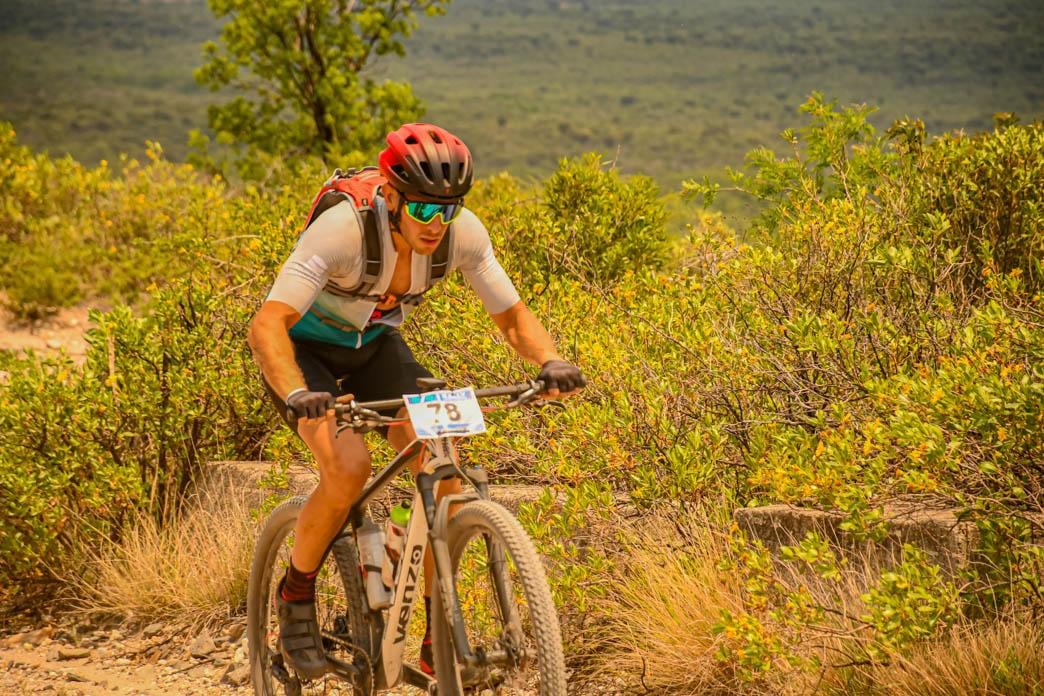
x: 422, y: 238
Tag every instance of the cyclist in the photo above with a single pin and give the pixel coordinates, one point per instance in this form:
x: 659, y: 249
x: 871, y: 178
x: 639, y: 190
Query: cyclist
x: 316, y: 339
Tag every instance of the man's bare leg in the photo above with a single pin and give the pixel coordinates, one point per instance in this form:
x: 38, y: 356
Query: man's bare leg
x: 344, y: 467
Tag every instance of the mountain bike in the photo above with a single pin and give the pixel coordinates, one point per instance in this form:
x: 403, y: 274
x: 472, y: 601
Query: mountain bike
x: 494, y: 625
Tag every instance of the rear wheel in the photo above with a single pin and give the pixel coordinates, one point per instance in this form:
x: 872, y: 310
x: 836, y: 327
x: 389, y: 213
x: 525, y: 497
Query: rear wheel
x: 507, y: 609
x: 349, y: 629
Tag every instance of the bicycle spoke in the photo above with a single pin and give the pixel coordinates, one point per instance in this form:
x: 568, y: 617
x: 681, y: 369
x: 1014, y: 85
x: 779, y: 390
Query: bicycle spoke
x: 331, y: 606
x: 496, y: 617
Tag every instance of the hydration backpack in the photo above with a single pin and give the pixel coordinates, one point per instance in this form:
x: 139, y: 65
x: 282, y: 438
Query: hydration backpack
x: 361, y: 186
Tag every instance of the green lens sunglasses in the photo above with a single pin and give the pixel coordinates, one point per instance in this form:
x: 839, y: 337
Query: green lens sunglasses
x: 424, y: 211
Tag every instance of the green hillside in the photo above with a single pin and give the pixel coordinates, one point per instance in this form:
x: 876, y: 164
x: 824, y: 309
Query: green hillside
x: 673, y: 88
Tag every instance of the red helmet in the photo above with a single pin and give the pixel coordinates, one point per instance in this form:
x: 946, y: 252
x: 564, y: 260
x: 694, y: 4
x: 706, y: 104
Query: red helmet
x: 427, y: 162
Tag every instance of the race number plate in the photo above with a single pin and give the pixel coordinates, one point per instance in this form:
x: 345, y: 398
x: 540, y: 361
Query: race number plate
x: 448, y: 413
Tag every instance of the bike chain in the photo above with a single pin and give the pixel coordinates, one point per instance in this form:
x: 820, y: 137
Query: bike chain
x: 352, y: 647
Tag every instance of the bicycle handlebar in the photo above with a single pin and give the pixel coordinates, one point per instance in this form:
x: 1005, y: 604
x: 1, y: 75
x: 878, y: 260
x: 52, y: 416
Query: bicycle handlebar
x: 486, y: 393
x: 360, y: 415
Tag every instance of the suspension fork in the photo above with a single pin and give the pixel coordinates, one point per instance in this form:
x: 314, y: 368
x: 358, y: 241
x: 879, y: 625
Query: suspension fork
x: 438, y: 521
x: 438, y: 516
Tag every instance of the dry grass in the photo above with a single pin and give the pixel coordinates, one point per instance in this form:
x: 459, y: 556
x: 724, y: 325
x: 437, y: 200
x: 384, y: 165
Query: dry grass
x: 191, y: 571
x: 1003, y: 658
x: 663, y: 606
x: 668, y: 593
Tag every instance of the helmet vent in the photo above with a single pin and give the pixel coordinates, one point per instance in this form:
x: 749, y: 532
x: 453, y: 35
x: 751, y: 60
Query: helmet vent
x: 435, y: 137
x: 411, y: 140
x: 446, y: 171
x: 401, y: 171
x: 427, y: 170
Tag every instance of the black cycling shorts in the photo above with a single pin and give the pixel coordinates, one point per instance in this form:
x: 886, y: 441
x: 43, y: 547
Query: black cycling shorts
x: 384, y: 368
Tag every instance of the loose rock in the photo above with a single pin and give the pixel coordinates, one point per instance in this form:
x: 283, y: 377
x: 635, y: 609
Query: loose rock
x: 71, y: 653
x: 153, y: 630
x: 146, y: 674
x: 202, y: 646
x: 31, y: 638
x: 235, y: 632
x: 236, y: 676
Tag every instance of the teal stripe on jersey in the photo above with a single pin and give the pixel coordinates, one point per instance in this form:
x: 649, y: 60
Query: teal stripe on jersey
x: 311, y: 328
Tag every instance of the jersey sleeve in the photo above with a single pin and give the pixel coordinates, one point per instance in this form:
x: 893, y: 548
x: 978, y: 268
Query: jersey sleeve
x: 480, y: 267
x: 331, y: 246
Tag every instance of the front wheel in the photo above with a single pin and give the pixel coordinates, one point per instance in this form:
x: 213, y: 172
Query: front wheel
x: 507, y: 608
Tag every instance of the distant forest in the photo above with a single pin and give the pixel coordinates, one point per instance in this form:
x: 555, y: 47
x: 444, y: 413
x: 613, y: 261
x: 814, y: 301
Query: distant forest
x: 671, y: 88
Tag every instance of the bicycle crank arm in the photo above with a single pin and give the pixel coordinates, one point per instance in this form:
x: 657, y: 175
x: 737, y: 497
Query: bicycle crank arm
x: 344, y: 670
x: 414, y: 677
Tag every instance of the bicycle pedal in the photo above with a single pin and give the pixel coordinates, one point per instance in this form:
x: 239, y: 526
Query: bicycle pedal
x: 281, y: 674
x: 414, y: 677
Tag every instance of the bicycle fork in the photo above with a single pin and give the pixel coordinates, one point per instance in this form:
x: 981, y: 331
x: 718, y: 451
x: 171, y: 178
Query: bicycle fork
x: 438, y: 521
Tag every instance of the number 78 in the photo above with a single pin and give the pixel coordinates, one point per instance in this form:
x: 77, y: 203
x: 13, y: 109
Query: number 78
x: 451, y: 410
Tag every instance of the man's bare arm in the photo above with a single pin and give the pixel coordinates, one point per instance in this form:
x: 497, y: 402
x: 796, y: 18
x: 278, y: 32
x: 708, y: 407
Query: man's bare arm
x: 269, y: 340
x: 525, y: 334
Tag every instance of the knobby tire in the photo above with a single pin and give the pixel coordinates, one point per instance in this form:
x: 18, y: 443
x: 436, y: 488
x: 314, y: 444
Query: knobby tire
x: 497, y: 524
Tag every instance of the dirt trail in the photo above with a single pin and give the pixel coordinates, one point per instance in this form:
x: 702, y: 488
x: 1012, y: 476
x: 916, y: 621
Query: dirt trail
x: 65, y: 660
x: 154, y: 660
x: 63, y: 331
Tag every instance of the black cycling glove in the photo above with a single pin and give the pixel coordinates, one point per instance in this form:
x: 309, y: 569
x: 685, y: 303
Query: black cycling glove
x: 308, y: 404
x: 560, y: 375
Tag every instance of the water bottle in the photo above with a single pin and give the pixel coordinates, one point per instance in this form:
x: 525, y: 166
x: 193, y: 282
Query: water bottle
x: 395, y: 539
x: 370, y: 540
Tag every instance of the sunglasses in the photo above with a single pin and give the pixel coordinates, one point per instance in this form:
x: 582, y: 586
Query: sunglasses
x: 424, y: 212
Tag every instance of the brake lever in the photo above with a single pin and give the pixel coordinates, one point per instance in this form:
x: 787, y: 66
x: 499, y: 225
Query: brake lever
x: 544, y: 403
x: 522, y: 399
x: 353, y: 417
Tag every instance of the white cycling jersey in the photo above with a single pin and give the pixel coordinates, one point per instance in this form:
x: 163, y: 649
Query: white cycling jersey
x: 328, y: 262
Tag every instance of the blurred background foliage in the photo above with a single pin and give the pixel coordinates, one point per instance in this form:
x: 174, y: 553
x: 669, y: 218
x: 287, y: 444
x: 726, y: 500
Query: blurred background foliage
x: 671, y: 89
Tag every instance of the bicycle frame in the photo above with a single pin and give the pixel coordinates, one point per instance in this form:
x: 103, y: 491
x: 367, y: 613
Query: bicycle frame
x: 440, y: 462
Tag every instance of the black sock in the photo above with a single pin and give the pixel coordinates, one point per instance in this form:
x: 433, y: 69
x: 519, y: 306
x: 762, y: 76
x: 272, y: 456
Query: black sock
x: 298, y: 586
x: 427, y: 618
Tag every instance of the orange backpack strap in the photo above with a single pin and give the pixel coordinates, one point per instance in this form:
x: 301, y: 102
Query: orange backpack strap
x: 360, y: 187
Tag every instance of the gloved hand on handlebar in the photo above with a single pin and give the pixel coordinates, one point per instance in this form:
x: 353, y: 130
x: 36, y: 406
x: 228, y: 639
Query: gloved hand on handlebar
x: 302, y: 403
x: 560, y: 376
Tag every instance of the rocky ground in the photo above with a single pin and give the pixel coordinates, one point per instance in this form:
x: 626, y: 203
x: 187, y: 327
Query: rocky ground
x: 74, y: 660
x: 70, y: 659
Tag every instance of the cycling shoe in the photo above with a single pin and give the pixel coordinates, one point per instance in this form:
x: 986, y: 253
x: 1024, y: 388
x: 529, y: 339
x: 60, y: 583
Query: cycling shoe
x: 299, y: 638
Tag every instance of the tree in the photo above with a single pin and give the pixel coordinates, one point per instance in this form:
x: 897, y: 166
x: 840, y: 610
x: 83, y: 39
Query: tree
x: 302, y: 63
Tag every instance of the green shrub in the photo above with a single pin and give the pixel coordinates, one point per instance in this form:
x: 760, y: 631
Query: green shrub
x: 162, y: 391
x: 587, y: 223
x: 159, y: 396
x: 73, y: 233
x: 854, y: 357
x: 979, y: 197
